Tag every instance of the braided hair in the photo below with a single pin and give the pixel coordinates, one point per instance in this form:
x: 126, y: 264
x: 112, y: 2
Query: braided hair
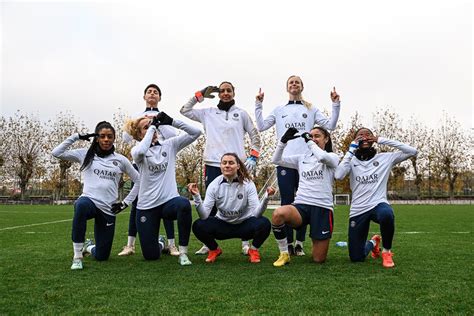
x: 95, y: 148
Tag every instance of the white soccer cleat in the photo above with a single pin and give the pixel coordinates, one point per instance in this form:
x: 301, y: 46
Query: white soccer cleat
x: 184, y: 260
x: 87, y: 243
x: 173, y: 250
x: 299, y: 251
x: 127, y: 251
x: 203, y: 251
x: 76, y: 264
x: 245, y: 250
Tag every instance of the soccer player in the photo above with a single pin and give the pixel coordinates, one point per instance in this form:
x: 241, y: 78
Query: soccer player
x: 152, y: 96
x: 369, y: 172
x: 239, y: 212
x: 101, y: 170
x: 313, y: 204
x: 301, y: 115
x: 225, y: 128
x: 158, y: 195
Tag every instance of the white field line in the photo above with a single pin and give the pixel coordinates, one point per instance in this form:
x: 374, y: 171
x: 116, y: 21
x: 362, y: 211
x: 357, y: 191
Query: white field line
x: 37, y: 224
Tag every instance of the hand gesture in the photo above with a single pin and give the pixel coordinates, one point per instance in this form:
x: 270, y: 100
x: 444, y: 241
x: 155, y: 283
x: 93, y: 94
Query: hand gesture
x: 271, y: 190
x: 193, y: 188
x: 161, y: 119
x: 87, y: 136
x: 118, y: 207
x: 354, y: 145
x: 307, y: 136
x: 260, y: 95
x: 334, y: 95
x: 289, y: 134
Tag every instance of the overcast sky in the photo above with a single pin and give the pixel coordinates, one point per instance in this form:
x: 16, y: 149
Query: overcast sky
x: 92, y: 57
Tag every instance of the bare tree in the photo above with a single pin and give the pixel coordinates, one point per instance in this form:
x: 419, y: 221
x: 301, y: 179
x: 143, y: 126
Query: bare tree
x: 451, y: 148
x: 25, y: 137
x: 189, y: 164
x: 64, y: 125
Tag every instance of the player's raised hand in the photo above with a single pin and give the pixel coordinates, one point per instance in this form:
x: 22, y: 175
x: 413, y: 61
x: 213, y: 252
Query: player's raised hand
x: 271, y: 190
x: 207, y: 92
x: 260, y: 95
x: 289, y: 135
x: 334, y: 96
x: 87, y: 136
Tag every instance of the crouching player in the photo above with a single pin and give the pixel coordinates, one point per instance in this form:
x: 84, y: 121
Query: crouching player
x: 101, y: 169
x: 313, y: 203
x: 369, y: 172
x: 239, y: 212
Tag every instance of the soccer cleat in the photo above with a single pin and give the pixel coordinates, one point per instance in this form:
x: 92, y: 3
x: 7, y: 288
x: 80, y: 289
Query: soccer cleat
x: 161, y: 242
x: 173, y: 250
x: 387, y: 260
x: 127, y: 251
x: 376, y: 250
x: 283, y: 259
x: 254, y: 256
x: 291, y: 250
x: 203, y: 251
x: 245, y: 250
x: 184, y: 260
x: 87, y: 243
x: 76, y: 264
x: 213, y: 254
x: 299, y: 251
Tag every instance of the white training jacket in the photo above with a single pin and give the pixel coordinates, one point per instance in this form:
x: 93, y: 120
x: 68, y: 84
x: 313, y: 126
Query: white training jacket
x: 368, y: 179
x: 235, y: 202
x: 298, y: 116
x: 225, y: 131
x: 157, y: 165
x: 316, y: 171
x: 101, y: 178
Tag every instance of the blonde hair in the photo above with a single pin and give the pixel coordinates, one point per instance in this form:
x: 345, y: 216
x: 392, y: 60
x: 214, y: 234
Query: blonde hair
x: 132, y: 129
x: 307, y: 104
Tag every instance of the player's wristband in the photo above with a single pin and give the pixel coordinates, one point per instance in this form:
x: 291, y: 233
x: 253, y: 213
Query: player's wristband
x: 199, y: 96
x: 254, y: 153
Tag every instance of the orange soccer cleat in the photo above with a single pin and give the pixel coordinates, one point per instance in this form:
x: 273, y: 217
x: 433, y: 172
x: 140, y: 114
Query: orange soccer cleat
x: 254, y: 255
x: 387, y: 260
x: 213, y: 254
x: 376, y: 250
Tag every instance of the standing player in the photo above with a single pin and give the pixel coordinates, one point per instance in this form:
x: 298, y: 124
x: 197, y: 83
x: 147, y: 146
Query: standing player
x: 101, y: 170
x: 314, y: 202
x: 158, y: 195
x: 152, y: 96
x: 369, y: 172
x: 239, y: 212
x: 225, y: 128
x: 301, y: 115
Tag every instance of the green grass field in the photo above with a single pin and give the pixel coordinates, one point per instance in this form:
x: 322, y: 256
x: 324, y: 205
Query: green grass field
x: 433, y: 249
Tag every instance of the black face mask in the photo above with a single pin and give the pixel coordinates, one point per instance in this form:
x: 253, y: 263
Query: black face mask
x: 225, y: 106
x: 364, y: 154
x: 103, y: 153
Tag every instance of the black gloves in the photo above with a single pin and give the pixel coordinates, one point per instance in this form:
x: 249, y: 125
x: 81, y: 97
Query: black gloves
x: 87, y: 136
x: 307, y: 136
x: 207, y: 92
x: 118, y: 207
x: 162, y: 119
x: 289, y: 135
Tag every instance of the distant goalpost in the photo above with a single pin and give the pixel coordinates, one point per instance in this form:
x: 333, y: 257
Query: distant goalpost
x: 342, y: 199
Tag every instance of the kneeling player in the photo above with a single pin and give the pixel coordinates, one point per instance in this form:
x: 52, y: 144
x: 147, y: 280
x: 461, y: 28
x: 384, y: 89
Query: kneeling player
x: 369, y: 172
x: 313, y: 203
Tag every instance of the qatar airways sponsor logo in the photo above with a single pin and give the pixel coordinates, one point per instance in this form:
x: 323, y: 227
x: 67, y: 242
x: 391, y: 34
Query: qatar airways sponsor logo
x: 313, y: 175
x: 373, y: 178
x: 105, y: 174
x: 297, y: 125
x: 158, y: 168
x: 231, y: 214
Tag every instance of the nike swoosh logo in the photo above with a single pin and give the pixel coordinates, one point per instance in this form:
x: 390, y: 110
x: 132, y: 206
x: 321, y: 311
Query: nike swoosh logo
x: 306, y: 162
x: 325, y: 232
x: 283, y: 116
x: 219, y: 197
x: 109, y: 224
